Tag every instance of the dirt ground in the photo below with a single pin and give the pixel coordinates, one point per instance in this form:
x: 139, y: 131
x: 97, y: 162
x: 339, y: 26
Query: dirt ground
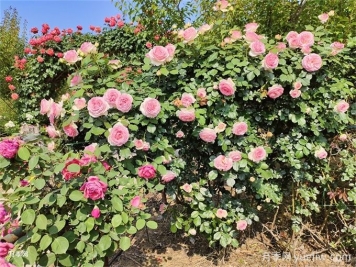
x: 161, y: 248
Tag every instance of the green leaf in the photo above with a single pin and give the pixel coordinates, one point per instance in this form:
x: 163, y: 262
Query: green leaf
x: 47, y: 259
x: 80, y: 246
x: 117, y: 204
x: 164, y: 71
x: 152, y: 225
x: 45, y: 242
x: 41, y: 222
x: 31, y: 254
x: 23, y: 153
x: 116, y: 220
x: 105, y: 242
x: 213, y: 175
x: 151, y: 128
x: 60, y: 245
x: 35, y: 237
x: 76, y: 195
x: 73, y: 168
x: 125, y: 243
x: 90, y: 222
x: 140, y: 224
x: 39, y: 183
x: 66, y: 260
x: 33, y: 162
x: 28, y: 216
x: 4, y: 162
x: 58, y: 225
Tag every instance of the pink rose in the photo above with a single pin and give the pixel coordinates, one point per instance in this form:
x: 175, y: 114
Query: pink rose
x: 150, y: 107
x: 294, y: 43
x: 77, y: 79
x: 9, y: 148
x: 95, y: 213
x: 291, y: 35
x: 45, y: 106
x: 257, y: 48
x: 71, y: 130
x: 4, y: 215
x: 281, y: 46
x: 241, y: 225
x: 187, y: 188
x: 337, y: 46
x: 221, y: 5
x: 227, y: 87
x: 270, y: 61
x: 71, y: 56
x: 223, y: 163
x: 235, y: 155
x: 251, y: 27
x: 110, y: 96
x: 67, y: 175
x: 79, y: 103
x: 147, y: 172
x: 275, y: 91
x: 189, y: 35
x: 97, y: 106
x: 204, y: 28
x: 55, y: 111
x: 201, y: 92
x: 106, y: 165
x: 87, y: 48
x: 136, y: 202
x: 297, y: 85
x: 171, y: 49
x: 186, y: 115
x: 323, y: 17
x: 169, y: 176
x: 220, y: 213
x: 118, y: 135
x: 52, y: 132
x: 208, y: 135
x: 252, y: 37
x: 306, y: 38
x: 65, y: 97
x: 4, y: 249
x: 141, y: 145
x: 4, y: 263
x: 179, y: 134
x: 236, y: 35
x: 343, y: 137
x: 257, y: 154
x: 342, y: 106
x: 124, y: 102
x: 220, y: 127
x: 24, y: 183
x: 94, y: 188
x: 187, y: 99
x: 90, y: 148
x: 158, y: 55
x: 321, y: 153
x: 239, y: 128
x: 306, y: 50
x: 312, y: 62
x: 295, y: 93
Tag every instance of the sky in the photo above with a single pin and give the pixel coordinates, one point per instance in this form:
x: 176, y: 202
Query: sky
x: 63, y: 14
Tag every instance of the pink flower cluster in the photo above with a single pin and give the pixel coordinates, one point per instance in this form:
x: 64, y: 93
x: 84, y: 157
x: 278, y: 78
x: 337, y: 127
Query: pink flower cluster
x: 9, y: 148
x: 147, y: 171
x: 227, y: 87
x: 52, y: 109
x: 224, y: 163
x: 141, y: 145
x: 257, y: 154
x: 296, y: 92
x: 275, y: 91
x: 94, y: 188
x: 160, y: 55
x: 303, y: 40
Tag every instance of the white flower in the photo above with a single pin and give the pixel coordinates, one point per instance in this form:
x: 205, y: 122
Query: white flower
x: 9, y: 124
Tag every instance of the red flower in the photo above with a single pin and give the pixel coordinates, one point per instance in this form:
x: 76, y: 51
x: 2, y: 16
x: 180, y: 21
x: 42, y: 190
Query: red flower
x: 34, y: 30
x: 98, y: 29
x: 92, y: 27
x: 69, y: 31
x: 50, y: 52
x: 42, y: 50
x: 14, y: 96
x: 12, y: 87
x: 57, y: 39
x: 27, y: 50
x: 33, y: 51
x: 8, y: 79
x: 40, y: 59
x: 59, y: 54
x: 79, y: 28
x: 112, y: 23
x: 156, y: 37
x: 107, y: 20
x: 120, y: 24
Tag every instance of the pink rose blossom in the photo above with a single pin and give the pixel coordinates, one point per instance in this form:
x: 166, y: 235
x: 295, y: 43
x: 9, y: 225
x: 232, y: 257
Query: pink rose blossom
x: 94, y: 188
x: 257, y: 48
x: 251, y: 37
x: 227, y: 87
x: 306, y: 50
x: 179, y: 134
x: 220, y: 127
x: 221, y: 5
x: 220, y: 213
x: 270, y: 61
x: 124, y: 102
x: 337, y: 46
x: 236, y: 35
x: 141, y: 145
x: 95, y: 213
x: 79, y: 103
x: 71, y: 130
x: 294, y: 43
x: 235, y: 155
x: 201, y: 92
x: 110, y: 96
x: 186, y: 115
x: 4, y: 215
x: 342, y: 106
x: 136, y: 202
x: 291, y: 35
x: 251, y: 27
x: 55, y: 111
x: 295, y: 93
x: 97, y: 106
x: 297, y: 85
x: 239, y: 128
x: 4, y: 249
x: 87, y: 48
x: 241, y: 225
x: 171, y: 50
x: 343, y: 137
x: 4, y: 263
x: 187, y: 99
x: 208, y: 135
x: 223, y: 163
x: 52, y: 132
x: 189, y: 35
x: 150, y: 107
x: 147, y: 171
x: 275, y: 91
x: 71, y: 56
x: 45, y: 106
x: 158, y: 55
x: 24, y: 183
x: 323, y: 17
x: 257, y: 154
x: 204, y: 28
x: 281, y: 47
x: 169, y: 176
x: 321, y: 153
x: 9, y: 148
x: 65, y: 97
x: 67, y: 174
x: 77, y: 79
x: 306, y: 38
x: 118, y: 135
x: 312, y: 62
x: 187, y: 188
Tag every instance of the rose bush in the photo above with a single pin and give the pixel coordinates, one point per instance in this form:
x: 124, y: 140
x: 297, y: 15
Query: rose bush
x: 216, y: 129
